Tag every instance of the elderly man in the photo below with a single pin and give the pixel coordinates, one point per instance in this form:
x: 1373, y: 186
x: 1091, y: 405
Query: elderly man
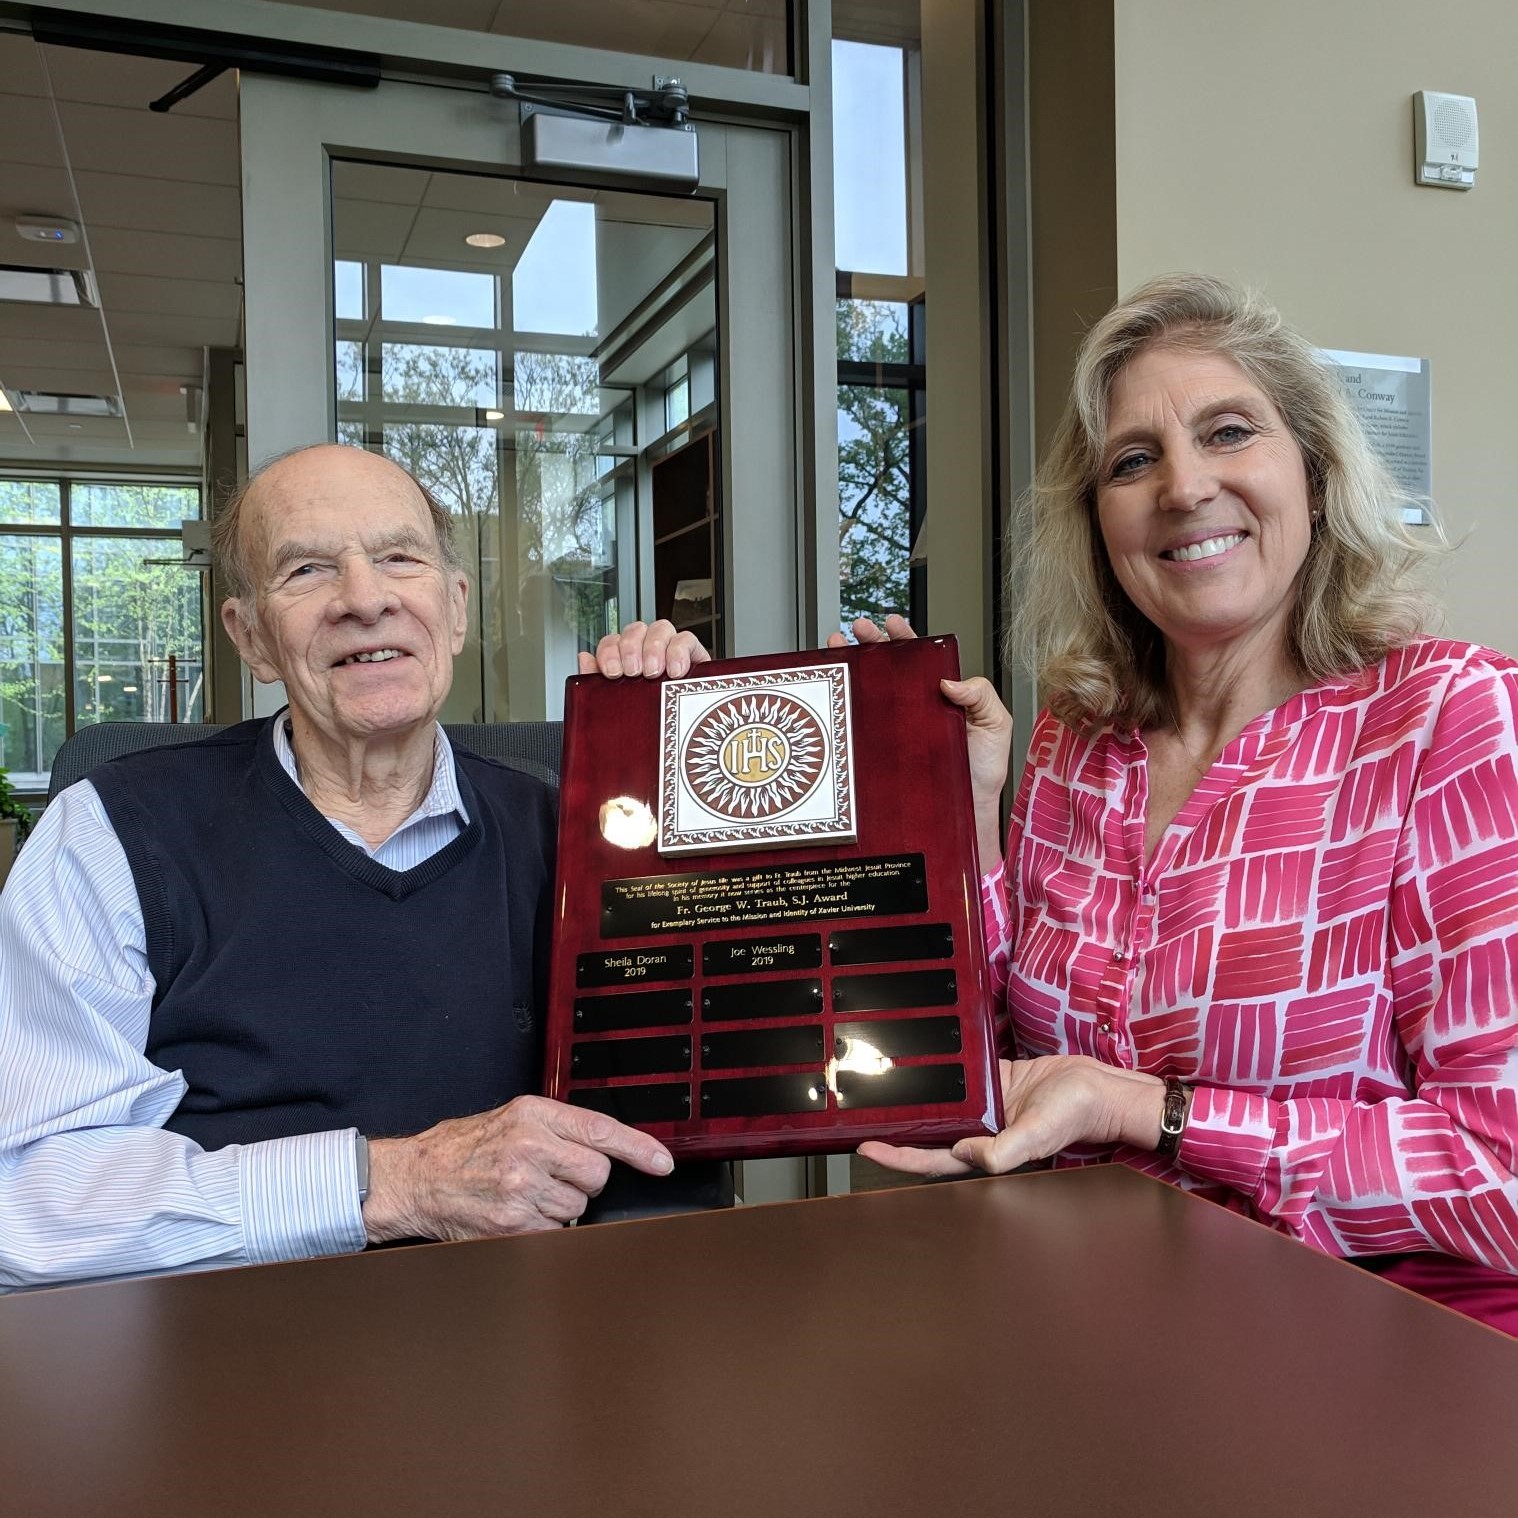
x: 233, y: 971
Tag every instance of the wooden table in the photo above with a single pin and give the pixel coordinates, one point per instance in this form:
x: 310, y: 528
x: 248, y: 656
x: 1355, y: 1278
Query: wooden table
x: 1084, y: 1342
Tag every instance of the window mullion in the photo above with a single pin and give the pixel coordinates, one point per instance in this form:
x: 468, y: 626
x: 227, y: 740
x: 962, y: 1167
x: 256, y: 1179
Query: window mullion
x: 66, y: 565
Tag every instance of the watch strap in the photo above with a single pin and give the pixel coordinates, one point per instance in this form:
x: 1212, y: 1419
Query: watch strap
x: 361, y: 1162
x: 1173, y: 1117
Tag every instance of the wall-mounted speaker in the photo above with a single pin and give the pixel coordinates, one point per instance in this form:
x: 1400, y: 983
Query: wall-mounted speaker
x: 1446, y: 143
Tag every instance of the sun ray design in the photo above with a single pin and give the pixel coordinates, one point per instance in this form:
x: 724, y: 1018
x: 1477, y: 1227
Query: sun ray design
x: 755, y: 756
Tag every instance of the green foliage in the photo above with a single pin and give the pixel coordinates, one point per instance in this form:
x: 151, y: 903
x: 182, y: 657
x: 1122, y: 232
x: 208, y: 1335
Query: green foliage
x: 11, y: 808
x: 874, y: 470
x: 128, y: 616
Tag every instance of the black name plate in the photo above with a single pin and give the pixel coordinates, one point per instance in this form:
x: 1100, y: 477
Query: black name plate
x: 630, y: 1056
x: 763, y: 1095
x: 762, y: 998
x: 899, y: 1037
x: 886, y: 993
x: 629, y: 966
x: 876, y: 887
x: 903, y: 1086
x: 664, y: 1103
x: 635, y: 1009
x: 753, y: 1048
x: 874, y: 946
x: 745, y: 956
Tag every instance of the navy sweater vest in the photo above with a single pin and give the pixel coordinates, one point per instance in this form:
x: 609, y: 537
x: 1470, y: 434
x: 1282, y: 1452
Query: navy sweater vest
x: 303, y: 987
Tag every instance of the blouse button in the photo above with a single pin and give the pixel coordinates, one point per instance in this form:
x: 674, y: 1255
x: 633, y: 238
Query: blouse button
x: 1104, y: 1027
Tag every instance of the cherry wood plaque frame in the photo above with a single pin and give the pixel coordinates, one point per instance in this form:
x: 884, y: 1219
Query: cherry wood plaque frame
x: 777, y: 1001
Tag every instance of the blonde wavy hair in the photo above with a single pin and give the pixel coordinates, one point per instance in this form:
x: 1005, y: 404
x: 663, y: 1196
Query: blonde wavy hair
x: 1098, y: 660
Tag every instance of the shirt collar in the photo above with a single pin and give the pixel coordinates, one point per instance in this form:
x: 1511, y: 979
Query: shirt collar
x: 442, y: 796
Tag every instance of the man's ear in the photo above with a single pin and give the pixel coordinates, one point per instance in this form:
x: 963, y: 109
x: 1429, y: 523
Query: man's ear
x: 458, y: 599
x: 243, y: 630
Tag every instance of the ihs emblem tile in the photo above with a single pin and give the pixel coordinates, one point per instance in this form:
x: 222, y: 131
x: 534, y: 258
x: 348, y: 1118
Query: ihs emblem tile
x: 756, y: 761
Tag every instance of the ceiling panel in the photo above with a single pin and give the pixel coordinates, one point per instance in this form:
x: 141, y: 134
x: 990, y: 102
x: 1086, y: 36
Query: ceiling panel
x: 161, y: 253
x: 159, y: 205
x: 42, y: 353
x: 20, y: 67
x: 158, y: 197
x: 27, y: 130
x: 502, y: 196
x: 115, y: 140
x: 62, y: 381
x: 166, y: 406
x: 96, y: 428
x: 674, y: 29
x: 377, y: 181
x: 370, y: 229
x: 437, y: 237
x: 65, y: 324
x: 470, y: 15
x: 176, y: 331
x: 135, y: 359
x: 51, y: 453
x: 116, y: 79
x: 169, y: 297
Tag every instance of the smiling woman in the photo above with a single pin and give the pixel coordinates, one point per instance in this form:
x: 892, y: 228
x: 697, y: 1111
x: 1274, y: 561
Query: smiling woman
x: 1258, y: 923
x: 1196, y: 341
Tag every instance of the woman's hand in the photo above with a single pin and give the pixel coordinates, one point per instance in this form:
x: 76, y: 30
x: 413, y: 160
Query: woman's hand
x: 1048, y: 1104
x: 988, y: 734
x: 645, y: 650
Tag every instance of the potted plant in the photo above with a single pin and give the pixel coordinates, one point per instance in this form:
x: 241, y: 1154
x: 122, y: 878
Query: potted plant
x: 15, y: 824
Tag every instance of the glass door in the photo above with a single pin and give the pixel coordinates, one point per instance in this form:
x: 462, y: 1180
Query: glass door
x: 507, y: 341
x: 598, y: 381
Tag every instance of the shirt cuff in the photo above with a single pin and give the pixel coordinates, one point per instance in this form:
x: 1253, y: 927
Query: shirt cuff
x: 1229, y: 1137
x: 300, y: 1197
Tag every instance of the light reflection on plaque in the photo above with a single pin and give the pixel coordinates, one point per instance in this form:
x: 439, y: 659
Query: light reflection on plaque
x: 853, y: 1056
x: 628, y: 824
x: 903, y: 1086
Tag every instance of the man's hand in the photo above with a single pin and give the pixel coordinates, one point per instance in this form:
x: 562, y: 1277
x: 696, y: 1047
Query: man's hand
x: 530, y: 1165
x: 645, y: 649
x: 1049, y: 1104
x: 988, y: 733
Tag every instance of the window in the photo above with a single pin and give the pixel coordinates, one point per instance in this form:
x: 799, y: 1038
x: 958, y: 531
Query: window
x: 881, y: 327
x: 98, y: 619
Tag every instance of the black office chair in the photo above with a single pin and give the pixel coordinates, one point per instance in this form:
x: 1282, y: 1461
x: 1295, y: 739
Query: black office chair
x: 536, y: 747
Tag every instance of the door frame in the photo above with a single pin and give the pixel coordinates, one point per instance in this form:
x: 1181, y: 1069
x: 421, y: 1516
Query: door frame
x: 290, y: 132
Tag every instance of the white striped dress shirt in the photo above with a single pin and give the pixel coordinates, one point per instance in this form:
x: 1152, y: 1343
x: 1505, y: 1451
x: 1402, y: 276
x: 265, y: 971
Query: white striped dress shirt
x: 91, y: 1184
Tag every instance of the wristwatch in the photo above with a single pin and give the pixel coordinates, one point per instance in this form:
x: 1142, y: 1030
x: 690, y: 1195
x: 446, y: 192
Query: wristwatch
x: 361, y: 1160
x: 1172, y: 1117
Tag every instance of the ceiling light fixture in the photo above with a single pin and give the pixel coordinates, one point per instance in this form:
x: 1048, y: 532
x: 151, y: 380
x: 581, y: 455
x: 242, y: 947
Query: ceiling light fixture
x: 44, y: 403
x: 485, y: 240
x: 5, y: 400
x: 495, y: 416
x: 48, y: 287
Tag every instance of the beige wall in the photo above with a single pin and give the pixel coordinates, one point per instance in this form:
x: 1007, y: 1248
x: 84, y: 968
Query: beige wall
x: 1272, y: 143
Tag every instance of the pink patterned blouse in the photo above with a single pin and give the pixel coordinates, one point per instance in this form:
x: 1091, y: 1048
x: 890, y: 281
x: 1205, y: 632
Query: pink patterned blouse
x: 1325, y: 944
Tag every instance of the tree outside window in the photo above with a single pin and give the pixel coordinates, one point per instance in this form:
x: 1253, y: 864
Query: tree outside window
x: 93, y: 602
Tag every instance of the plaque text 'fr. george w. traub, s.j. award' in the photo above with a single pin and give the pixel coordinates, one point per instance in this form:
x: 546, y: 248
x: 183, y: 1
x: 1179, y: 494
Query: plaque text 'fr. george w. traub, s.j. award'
x: 768, y: 936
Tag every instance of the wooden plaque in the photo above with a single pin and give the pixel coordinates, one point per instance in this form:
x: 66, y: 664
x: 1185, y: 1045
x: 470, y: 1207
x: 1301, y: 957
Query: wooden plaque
x: 768, y: 937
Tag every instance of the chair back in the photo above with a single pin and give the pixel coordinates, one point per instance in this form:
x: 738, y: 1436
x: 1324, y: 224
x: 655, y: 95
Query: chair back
x: 535, y: 747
